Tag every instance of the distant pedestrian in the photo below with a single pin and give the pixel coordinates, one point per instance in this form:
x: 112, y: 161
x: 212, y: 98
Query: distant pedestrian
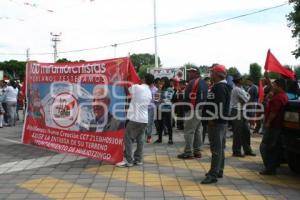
x: 220, y: 97
x: 240, y: 125
x: 253, y: 92
x: 11, y: 98
x: 151, y: 113
x: 165, y: 111
x: 195, y: 93
x: 1, y: 107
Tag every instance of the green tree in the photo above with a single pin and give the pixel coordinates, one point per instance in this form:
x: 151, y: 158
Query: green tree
x: 297, y: 71
x: 143, y: 69
x: 14, y: 69
x: 232, y: 71
x: 273, y: 75
x: 294, y: 23
x: 255, y: 72
x: 63, y: 60
x: 144, y: 59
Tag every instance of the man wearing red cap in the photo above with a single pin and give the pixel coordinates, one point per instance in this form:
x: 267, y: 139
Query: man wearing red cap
x: 219, y: 98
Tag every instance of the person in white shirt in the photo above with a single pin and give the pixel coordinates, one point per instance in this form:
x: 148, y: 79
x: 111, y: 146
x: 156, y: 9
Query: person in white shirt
x: 1, y: 101
x: 137, y: 116
x: 11, y: 97
x: 240, y: 127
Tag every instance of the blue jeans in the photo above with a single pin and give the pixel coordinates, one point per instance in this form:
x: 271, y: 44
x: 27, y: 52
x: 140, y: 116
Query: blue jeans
x: 150, y: 121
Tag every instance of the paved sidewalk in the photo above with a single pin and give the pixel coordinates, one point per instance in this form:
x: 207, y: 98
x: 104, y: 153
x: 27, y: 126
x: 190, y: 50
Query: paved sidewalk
x: 27, y: 172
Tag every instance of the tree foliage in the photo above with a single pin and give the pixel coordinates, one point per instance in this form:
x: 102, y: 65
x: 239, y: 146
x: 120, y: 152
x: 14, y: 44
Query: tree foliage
x: 143, y: 62
x: 144, y: 59
x: 14, y: 69
x: 232, y: 71
x: 65, y: 60
x: 297, y: 71
x: 255, y: 72
x: 294, y: 23
x: 273, y: 75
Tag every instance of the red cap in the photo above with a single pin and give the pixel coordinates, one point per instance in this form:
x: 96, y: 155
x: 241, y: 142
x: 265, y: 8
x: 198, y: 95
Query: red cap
x: 218, y: 68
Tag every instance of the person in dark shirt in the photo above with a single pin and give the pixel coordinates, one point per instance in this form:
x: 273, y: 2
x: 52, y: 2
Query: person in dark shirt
x: 219, y: 96
x: 179, y: 109
x: 270, y: 146
x: 253, y: 91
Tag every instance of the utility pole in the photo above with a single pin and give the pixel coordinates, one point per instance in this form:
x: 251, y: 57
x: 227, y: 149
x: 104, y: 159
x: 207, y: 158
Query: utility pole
x: 55, y: 39
x: 115, y: 49
x: 155, y: 35
x: 27, y: 54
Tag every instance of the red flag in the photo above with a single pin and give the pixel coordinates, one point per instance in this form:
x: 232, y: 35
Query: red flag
x: 132, y: 75
x: 261, y: 92
x: 273, y: 65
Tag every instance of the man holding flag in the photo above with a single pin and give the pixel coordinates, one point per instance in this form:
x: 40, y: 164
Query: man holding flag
x: 270, y: 145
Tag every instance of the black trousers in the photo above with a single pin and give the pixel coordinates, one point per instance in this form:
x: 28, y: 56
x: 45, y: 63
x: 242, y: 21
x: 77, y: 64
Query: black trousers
x: 180, y: 113
x: 271, y: 148
x: 241, y: 133
x: 165, y: 121
x: 6, y: 115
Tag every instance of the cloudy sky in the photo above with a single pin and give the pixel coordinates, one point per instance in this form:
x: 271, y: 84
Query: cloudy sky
x: 86, y: 24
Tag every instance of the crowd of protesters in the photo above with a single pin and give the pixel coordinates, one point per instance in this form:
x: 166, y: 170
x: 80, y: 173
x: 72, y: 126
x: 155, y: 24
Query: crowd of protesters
x: 11, y: 101
x: 200, y: 106
x: 189, y: 105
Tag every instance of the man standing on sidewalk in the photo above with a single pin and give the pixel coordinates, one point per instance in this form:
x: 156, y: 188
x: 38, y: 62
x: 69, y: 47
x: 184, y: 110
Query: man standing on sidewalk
x: 240, y: 126
x: 137, y: 116
x: 195, y: 93
x: 219, y: 96
x: 270, y: 147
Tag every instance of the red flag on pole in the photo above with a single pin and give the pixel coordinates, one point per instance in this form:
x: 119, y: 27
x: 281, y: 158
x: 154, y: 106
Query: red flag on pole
x: 261, y: 92
x: 273, y: 65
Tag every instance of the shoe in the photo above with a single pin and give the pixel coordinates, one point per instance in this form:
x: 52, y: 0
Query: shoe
x: 124, y: 164
x: 197, y: 155
x: 148, y: 139
x: 268, y: 172
x: 220, y: 175
x: 185, y: 156
x: 238, y: 155
x: 250, y: 154
x: 170, y: 142
x: 138, y: 163
x: 209, y: 180
x: 157, y: 142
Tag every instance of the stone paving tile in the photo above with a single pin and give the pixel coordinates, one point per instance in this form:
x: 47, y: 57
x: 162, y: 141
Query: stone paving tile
x: 163, y: 176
